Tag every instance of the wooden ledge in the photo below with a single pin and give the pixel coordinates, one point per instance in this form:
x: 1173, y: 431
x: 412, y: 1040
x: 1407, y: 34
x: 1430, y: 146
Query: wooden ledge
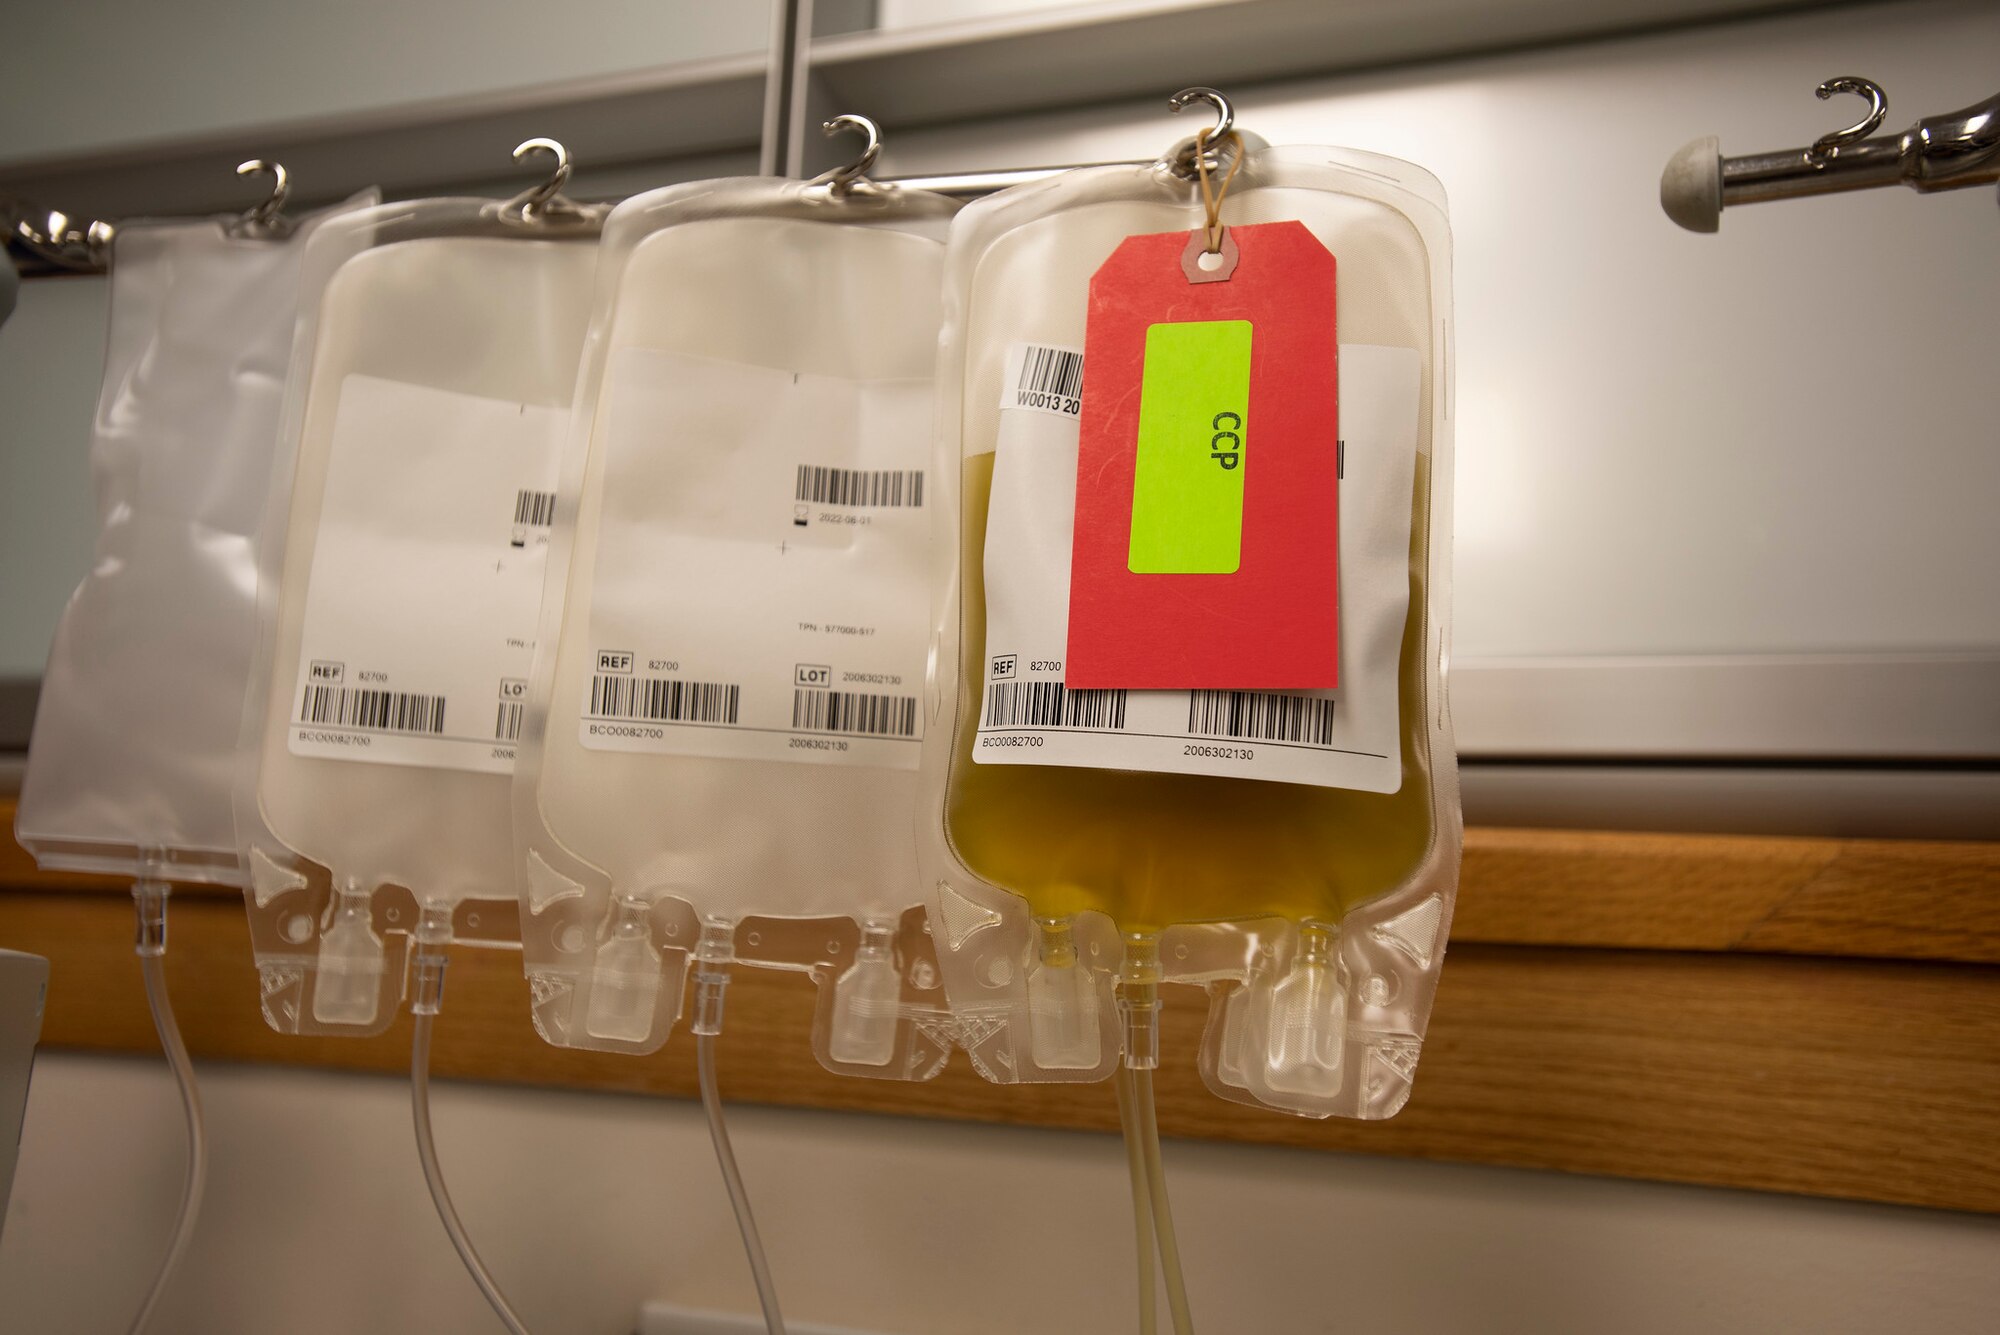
x: 1813, y: 1016
x: 1881, y: 898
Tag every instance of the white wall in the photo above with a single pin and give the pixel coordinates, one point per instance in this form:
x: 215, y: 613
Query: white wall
x: 92, y: 74
x: 51, y: 357
x: 892, y: 14
x: 585, y: 1205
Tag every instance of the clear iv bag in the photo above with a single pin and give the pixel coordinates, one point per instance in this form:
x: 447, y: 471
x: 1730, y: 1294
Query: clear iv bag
x: 430, y: 390
x: 1295, y: 852
x: 134, y: 749
x: 725, y: 719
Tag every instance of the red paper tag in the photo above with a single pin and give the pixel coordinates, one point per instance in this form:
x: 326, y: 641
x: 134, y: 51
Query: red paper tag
x: 1207, y: 469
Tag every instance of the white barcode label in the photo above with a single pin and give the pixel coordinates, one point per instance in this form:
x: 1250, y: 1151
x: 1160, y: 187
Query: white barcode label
x: 1050, y: 704
x: 760, y: 571
x: 532, y: 510
x: 1345, y: 738
x: 426, y: 577
x: 664, y: 700
x: 372, y: 711
x: 1043, y: 380
x: 855, y: 712
x: 860, y: 486
x: 1262, y: 716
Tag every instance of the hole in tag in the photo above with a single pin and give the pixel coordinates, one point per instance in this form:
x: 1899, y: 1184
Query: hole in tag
x: 1201, y: 265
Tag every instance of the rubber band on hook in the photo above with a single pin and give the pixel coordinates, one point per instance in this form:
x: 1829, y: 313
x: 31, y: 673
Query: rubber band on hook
x: 1212, y: 196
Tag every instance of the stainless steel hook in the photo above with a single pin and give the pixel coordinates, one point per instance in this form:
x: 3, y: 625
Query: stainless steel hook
x: 1225, y: 123
x: 1225, y: 115
x: 1827, y: 147
x: 544, y: 206
x: 841, y: 180
x: 537, y: 200
x: 268, y: 217
x: 59, y: 241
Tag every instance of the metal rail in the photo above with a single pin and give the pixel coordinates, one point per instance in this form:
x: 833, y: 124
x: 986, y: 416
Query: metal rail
x: 1948, y: 152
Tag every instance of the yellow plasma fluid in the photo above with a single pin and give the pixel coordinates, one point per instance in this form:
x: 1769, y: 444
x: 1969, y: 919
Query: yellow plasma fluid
x: 1151, y: 850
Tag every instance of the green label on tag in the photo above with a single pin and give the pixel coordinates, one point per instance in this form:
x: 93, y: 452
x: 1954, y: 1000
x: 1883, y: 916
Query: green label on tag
x: 1187, y: 482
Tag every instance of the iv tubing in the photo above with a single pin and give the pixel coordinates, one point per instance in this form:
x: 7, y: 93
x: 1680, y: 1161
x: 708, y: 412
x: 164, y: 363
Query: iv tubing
x: 430, y: 996
x: 150, y: 896
x: 1142, y: 1201
x: 1139, y: 1002
x: 739, y: 1199
x: 711, y: 983
x: 1163, y: 1217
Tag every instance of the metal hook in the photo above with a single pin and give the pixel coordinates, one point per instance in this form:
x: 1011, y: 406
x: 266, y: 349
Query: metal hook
x: 1225, y: 115
x: 543, y: 205
x: 1225, y: 123
x: 841, y: 179
x: 266, y: 217
x: 56, y: 239
x: 535, y: 202
x: 1828, y: 146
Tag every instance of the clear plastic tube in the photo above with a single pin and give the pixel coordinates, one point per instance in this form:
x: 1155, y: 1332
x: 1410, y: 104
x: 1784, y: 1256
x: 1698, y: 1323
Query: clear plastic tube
x: 1142, y: 1201
x: 430, y: 989
x: 1163, y: 1216
x: 1139, y: 1001
x: 739, y: 1199
x: 151, y: 898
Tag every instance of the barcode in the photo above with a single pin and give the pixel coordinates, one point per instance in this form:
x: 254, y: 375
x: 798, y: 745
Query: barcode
x: 536, y: 509
x: 1051, y: 378
x: 852, y: 711
x: 1050, y: 704
x: 507, y: 727
x: 886, y: 487
x: 1259, y: 714
x: 378, y: 711
x: 664, y: 699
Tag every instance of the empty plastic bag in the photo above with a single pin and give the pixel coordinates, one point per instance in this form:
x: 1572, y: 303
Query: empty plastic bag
x: 134, y: 750
x: 429, y: 395
x: 725, y: 722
